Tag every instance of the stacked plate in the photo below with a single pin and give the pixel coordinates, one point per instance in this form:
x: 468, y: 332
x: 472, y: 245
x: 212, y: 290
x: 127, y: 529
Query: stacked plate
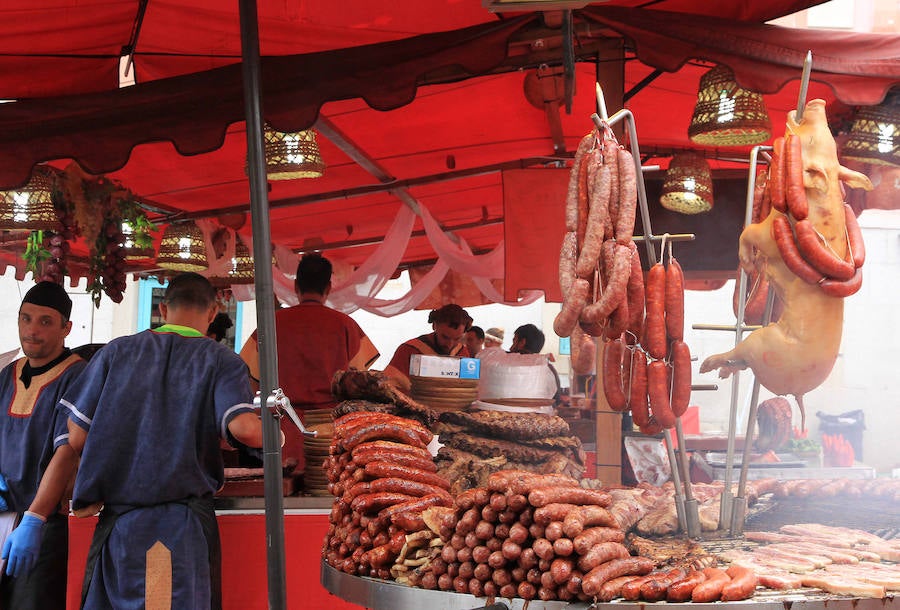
x: 444, y: 393
x: 315, y: 450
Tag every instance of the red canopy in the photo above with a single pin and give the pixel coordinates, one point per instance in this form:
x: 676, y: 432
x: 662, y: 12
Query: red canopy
x: 431, y: 92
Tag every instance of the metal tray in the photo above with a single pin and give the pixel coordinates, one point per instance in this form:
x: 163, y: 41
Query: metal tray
x: 786, y: 460
x: 384, y: 595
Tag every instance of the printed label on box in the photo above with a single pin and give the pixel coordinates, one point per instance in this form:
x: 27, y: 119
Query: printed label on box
x: 469, y: 368
x: 433, y: 366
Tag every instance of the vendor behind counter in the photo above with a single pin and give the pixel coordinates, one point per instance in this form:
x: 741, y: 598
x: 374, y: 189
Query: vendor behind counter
x: 314, y: 342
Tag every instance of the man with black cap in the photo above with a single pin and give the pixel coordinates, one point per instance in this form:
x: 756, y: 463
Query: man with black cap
x: 34, y: 439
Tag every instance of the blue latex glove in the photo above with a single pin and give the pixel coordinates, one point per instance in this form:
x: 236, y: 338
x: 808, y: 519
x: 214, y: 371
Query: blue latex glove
x: 22, y: 545
x: 4, y: 488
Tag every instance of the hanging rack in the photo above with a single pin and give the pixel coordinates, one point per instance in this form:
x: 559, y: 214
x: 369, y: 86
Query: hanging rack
x: 685, y: 504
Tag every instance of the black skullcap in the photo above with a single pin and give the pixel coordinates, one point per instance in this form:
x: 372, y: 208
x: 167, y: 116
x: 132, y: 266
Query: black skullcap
x: 50, y: 294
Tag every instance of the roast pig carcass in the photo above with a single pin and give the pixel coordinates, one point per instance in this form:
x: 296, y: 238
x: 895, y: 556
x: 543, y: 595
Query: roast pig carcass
x: 796, y: 354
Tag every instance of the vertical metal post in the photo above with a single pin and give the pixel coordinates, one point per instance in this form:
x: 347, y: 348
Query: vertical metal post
x: 265, y: 305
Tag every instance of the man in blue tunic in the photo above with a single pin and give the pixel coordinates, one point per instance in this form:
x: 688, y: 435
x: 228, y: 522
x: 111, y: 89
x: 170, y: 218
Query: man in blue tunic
x: 34, y: 439
x: 147, y: 415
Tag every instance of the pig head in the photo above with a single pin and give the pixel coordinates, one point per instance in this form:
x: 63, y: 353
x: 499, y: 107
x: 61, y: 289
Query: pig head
x: 797, y: 353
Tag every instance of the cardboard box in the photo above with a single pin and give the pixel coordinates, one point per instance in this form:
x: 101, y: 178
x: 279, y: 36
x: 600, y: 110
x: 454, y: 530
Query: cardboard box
x: 444, y: 366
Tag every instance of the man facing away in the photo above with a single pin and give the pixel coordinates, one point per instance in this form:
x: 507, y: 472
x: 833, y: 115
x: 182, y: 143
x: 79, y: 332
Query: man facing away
x: 146, y: 415
x: 34, y: 439
x: 313, y: 342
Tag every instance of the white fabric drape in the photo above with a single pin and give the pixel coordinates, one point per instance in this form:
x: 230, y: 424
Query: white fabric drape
x: 359, y: 290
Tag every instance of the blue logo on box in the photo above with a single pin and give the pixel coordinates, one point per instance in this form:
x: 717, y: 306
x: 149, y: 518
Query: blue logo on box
x: 469, y: 368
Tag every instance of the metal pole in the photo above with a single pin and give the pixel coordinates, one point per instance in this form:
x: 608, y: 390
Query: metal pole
x: 265, y: 306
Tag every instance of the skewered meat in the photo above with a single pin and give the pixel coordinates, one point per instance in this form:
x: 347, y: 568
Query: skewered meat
x: 796, y: 354
x: 773, y: 418
x: 511, y: 426
x: 375, y: 386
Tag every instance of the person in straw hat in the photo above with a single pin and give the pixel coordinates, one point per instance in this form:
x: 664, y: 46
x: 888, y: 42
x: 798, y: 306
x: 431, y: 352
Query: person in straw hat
x: 493, y: 337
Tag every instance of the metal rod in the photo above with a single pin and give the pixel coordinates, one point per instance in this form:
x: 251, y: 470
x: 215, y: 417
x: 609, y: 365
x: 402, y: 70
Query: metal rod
x: 726, y: 509
x: 668, y: 237
x: 740, y: 500
x: 601, y: 102
x: 727, y: 327
x: 804, y: 86
x: 265, y: 306
x: 631, y: 128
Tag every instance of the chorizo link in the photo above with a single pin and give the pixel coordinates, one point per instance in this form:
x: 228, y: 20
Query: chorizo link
x: 674, y: 301
x: 573, y: 304
x: 601, y: 553
x: 584, y: 516
x: 594, y: 579
x: 589, y: 253
x: 794, y: 191
x: 776, y: 176
x: 742, y: 585
x: 681, y: 377
x: 655, y: 320
x: 680, y: 590
x: 568, y: 254
x: 572, y: 191
x: 385, y: 469
x: 818, y: 255
x: 617, y: 267
x: 634, y: 294
x: 854, y: 237
x: 400, y: 459
x: 374, y: 502
x: 710, y: 589
x: 543, y: 496
x: 839, y: 289
x: 627, y: 207
x: 388, y: 431
x: 787, y: 247
x: 611, y: 159
x: 393, y: 448
x: 596, y: 535
x: 658, y: 392
x: 612, y: 589
x: 637, y: 395
x: 613, y: 388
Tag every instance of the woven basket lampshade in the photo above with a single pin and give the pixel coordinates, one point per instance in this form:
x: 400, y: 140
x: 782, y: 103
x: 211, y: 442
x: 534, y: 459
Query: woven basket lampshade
x: 241, y: 271
x: 292, y: 155
x: 31, y: 206
x: 688, y: 185
x: 133, y: 252
x: 726, y: 114
x: 875, y: 135
x: 182, y: 248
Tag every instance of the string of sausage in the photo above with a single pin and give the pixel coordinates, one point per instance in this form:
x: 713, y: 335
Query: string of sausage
x: 805, y: 252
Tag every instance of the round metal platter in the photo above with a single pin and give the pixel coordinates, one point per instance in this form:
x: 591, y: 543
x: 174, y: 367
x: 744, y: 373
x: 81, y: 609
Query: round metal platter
x: 384, y: 595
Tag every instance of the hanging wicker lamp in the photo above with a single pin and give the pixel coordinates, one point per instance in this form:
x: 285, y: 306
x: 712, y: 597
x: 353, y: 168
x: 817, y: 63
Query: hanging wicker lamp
x: 242, y: 268
x: 688, y: 187
x: 182, y: 248
x: 875, y: 134
x: 726, y: 114
x: 132, y: 251
x: 31, y: 206
x: 292, y: 155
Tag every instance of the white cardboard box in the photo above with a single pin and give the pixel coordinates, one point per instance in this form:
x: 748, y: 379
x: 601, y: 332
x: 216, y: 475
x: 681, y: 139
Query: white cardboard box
x: 444, y: 366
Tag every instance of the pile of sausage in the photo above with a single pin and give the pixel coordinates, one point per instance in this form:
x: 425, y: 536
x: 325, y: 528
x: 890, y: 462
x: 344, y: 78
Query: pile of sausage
x: 680, y: 584
x: 532, y: 536
x: 600, y: 211
x: 646, y: 363
x: 804, y: 251
x: 383, y: 478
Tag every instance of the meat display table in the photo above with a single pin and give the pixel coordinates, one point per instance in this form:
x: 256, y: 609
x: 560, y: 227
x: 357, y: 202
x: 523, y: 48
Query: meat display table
x: 384, y: 595
x: 243, y: 532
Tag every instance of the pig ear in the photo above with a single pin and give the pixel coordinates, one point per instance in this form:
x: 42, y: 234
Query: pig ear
x: 815, y: 178
x: 854, y: 179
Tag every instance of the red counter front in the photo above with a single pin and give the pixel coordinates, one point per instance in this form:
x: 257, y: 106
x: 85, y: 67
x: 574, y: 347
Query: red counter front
x: 243, y: 561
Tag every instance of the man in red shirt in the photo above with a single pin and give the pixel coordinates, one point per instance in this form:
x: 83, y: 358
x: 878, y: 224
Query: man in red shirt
x: 314, y: 341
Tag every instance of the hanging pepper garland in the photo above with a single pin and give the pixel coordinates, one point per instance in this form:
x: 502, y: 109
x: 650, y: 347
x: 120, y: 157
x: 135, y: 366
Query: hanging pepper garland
x: 94, y: 208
